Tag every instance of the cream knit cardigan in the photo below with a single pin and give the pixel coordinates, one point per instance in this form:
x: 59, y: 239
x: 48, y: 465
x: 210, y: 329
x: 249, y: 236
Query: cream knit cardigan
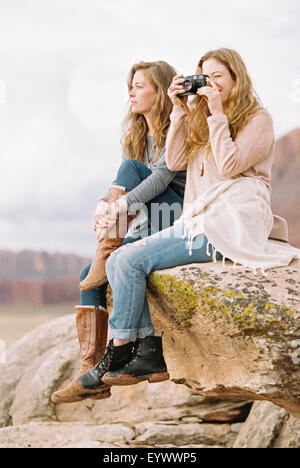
x: 231, y: 203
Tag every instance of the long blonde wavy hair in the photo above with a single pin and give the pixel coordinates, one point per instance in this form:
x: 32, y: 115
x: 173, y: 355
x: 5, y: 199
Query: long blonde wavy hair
x: 242, y: 103
x: 160, y: 74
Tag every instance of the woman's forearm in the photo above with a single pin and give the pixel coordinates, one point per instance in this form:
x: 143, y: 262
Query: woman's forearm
x: 153, y: 185
x: 176, y: 140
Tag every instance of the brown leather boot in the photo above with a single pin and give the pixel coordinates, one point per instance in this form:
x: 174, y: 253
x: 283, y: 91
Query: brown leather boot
x: 97, y: 274
x: 91, y: 324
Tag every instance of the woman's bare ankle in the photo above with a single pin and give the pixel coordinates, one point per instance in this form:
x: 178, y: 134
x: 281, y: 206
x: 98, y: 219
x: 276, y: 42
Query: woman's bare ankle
x: 119, y: 342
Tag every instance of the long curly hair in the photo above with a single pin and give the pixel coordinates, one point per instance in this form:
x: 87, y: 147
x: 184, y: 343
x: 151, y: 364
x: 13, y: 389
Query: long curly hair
x: 160, y: 74
x: 242, y: 104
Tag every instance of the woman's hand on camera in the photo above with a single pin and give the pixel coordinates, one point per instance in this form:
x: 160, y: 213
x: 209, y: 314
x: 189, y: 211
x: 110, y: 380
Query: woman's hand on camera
x: 176, y: 89
x: 212, y: 96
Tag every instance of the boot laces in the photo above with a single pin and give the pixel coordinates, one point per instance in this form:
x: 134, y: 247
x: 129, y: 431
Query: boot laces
x: 135, y: 350
x: 105, y: 362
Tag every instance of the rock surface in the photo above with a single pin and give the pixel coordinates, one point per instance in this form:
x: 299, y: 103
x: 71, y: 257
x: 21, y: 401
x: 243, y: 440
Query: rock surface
x: 47, y: 358
x: 228, y: 336
x: 60, y: 435
x: 75, y: 435
x: 269, y: 426
x: 231, y: 334
x: 185, y: 434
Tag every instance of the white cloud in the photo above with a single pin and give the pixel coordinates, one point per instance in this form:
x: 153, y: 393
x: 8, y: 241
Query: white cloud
x: 97, y: 96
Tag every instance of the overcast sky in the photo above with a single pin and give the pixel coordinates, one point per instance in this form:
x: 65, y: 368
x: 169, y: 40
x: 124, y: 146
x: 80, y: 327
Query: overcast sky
x: 63, y: 95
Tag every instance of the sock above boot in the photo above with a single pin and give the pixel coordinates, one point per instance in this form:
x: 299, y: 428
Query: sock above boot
x: 147, y: 363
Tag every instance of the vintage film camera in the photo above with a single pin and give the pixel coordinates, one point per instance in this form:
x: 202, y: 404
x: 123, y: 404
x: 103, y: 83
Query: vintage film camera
x: 192, y: 83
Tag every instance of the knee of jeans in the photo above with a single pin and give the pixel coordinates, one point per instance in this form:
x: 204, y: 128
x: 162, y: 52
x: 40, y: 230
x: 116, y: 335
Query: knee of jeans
x: 110, y: 265
x: 121, y: 260
x: 131, y: 164
x: 84, y: 272
x: 127, y: 164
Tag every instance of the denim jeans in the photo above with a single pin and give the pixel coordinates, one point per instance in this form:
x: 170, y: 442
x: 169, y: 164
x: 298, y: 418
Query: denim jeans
x: 131, y: 173
x: 128, y: 267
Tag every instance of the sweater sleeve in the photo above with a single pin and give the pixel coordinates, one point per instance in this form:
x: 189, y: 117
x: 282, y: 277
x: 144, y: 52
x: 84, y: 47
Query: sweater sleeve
x: 154, y: 184
x: 175, y: 143
x: 250, y: 147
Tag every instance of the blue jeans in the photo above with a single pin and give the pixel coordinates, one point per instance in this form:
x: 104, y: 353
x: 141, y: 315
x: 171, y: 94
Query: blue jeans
x: 131, y: 173
x: 128, y: 267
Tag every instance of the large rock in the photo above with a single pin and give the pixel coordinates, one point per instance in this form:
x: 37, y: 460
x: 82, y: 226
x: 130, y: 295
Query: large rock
x: 24, y: 360
x: 185, y: 434
x: 269, y: 426
x: 230, y: 333
x: 47, y: 358
x: 63, y: 435
x: 84, y: 435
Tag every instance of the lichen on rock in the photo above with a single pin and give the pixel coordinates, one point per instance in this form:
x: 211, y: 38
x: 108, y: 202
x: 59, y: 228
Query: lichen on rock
x: 180, y: 293
x: 187, y: 296
x: 230, y: 333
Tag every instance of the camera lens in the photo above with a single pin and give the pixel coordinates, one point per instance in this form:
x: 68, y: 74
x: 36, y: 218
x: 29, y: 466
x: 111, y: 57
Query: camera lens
x: 187, y: 85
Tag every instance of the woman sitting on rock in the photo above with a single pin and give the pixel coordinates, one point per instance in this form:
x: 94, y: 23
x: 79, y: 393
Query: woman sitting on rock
x: 226, y: 213
x: 143, y: 182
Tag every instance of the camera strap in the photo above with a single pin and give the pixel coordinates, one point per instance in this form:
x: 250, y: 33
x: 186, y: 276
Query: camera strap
x: 192, y: 124
x: 194, y: 131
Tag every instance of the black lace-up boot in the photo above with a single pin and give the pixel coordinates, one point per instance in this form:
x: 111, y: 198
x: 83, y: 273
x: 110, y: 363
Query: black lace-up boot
x: 147, y: 363
x: 114, y: 358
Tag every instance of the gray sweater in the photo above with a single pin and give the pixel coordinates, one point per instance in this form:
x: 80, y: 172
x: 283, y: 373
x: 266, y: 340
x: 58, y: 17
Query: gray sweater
x: 158, y: 181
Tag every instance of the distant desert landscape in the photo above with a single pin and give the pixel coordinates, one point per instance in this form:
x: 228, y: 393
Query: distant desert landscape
x: 36, y: 287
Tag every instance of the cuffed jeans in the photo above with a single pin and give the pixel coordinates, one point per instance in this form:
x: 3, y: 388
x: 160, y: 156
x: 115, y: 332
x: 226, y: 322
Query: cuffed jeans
x: 128, y: 267
x: 131, y: 173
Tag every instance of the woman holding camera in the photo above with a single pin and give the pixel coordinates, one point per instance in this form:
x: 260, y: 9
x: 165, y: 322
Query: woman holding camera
x: 226, y: 212
x: 143, y: 182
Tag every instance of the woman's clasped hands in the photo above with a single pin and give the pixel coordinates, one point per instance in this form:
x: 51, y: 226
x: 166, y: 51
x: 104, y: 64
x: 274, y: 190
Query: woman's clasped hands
x: 105, y: 217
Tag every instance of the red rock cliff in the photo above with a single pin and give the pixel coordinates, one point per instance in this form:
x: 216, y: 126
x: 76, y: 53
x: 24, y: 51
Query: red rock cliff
x: 39, y: 277
x: 286, y: 183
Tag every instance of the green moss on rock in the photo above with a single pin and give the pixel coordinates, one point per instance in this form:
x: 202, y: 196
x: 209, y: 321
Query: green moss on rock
x: 180, y: 293
x: 187, y: 297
